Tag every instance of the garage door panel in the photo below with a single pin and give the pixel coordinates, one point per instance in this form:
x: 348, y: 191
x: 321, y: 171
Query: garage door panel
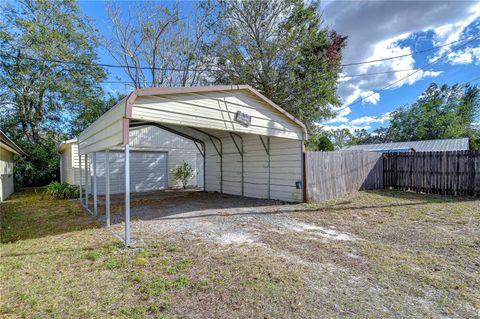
x: 148, y: 171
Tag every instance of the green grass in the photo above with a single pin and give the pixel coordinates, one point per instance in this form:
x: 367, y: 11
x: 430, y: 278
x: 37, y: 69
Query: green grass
x: 57, y: 262
x: 417, y: 256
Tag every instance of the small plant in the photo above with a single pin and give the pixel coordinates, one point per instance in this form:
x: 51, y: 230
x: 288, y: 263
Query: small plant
x: 56, y: 190
x: 183, y: 174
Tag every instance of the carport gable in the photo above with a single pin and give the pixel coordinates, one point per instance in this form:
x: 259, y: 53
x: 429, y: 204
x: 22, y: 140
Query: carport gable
x: 239, y: 109
x: 208, y: 107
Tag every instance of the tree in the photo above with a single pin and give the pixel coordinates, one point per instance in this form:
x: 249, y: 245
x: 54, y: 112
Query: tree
x: 95, y: 108
x: 159, y: 47
x: 341, y: 137
x: 282, y: 49
x: 320, y: 143
x: 47, y: 77
x: 47, y: 66
x: 440, y: 112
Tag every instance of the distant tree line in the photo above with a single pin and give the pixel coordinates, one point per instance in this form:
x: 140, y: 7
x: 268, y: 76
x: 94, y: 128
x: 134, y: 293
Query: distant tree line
x: 441, y: 112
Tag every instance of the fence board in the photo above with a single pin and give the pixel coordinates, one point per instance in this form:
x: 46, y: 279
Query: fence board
x: 334, y: 174
x: 447, y: 173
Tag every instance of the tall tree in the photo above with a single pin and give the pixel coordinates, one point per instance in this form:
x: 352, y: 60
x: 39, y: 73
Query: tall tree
x: 47, y: 65
x: 282, y: 49
x: 160, y: 44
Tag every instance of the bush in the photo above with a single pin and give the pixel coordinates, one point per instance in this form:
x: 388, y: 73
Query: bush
x: 40, y: 167
x: 183, y: 174
x: 56, y: 190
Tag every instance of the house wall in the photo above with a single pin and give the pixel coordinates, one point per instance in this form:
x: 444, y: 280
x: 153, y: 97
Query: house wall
x: 6, y: 174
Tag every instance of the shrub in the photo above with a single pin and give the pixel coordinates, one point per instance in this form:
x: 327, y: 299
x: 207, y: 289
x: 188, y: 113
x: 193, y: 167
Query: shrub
x: 56, y: 190
x: 40, y: 167
x: 183, y: 174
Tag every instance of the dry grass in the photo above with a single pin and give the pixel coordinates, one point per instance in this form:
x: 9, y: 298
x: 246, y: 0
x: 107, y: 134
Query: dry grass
x: 57, y: 263
x: 417, y: 256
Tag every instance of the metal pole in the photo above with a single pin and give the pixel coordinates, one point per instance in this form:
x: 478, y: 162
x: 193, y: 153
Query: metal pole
x: 61, y: 168
x: 107, y: 187
x: 95, y: 204
x: 269, y: 168
x: 86, y: 181
x: 204, y: 172
x: 80, y: 183
x: 127, y: 194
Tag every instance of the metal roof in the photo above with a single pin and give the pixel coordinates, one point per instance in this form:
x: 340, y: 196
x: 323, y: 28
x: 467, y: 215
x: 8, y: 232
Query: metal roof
x: 8, y: 144
x: 453, y: 144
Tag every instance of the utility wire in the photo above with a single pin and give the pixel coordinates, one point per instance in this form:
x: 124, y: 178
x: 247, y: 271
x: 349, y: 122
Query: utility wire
x: 125, y: 66
x: 472, y: 80
x: 404, y: 55
x: 416, y: 71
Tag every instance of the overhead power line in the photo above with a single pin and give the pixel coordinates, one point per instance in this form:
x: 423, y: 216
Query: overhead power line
x: 126, y: 66
x: 423, y: 68
x: 404, y: 55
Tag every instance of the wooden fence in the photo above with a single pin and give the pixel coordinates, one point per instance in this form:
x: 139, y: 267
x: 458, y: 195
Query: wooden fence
x: 452, y: 173
x: 334, y: 174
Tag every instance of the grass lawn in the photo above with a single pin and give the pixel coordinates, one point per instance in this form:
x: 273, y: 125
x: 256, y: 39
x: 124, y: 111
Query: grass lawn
x: 416, y: 256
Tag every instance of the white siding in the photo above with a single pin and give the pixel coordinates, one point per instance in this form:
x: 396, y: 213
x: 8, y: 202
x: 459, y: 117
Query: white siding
x: 216, y: 110
x: 106, y: 132
x: 285, y: 168
x: 148, y: 171
x: 6, y: 174
x: 146, y: 138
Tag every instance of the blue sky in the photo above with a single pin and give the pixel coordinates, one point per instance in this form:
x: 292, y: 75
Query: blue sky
x: 375, y: 30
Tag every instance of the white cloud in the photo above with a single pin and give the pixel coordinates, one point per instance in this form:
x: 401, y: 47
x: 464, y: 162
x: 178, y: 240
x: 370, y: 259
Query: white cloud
x: 341, y: 117
x: 370, y: 97
x: 374, y: 30
x: 452, y: 32
x: 372, y: 119
x: 467, y: 56
x: 349, y: 127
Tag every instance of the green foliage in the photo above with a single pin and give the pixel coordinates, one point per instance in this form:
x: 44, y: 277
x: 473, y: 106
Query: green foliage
x: 282, y: 49
x: 56, y: 190
x: 96, y: 107
x: 321, y: 143
x: 340, y: 137
x: 440, y: 112
x: 38, y: 93
x: 183, y: 173
x: 40, y: 167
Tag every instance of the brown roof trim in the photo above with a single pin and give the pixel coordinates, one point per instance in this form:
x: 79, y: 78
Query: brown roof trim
x: 7, y: 141
x: 195, y: 89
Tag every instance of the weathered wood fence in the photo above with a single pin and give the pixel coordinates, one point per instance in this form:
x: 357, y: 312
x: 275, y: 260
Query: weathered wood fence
x: 452, y: 173
x: 335, y: 174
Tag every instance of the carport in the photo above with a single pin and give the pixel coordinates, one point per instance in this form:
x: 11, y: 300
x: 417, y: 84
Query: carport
x: 250, y: 146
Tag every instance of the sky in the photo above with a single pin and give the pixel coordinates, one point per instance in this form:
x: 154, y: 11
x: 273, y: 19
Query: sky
x: 377, y: 30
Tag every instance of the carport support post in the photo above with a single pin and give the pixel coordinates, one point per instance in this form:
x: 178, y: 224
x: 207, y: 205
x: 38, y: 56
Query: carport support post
x: 127, y: 195
x: 107, y: 187
x: 95, y: 205
x: 80, y: 182
x: 86, y: 181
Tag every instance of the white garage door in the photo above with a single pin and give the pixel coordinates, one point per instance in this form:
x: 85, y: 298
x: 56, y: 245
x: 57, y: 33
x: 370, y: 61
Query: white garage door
x: 148, y: 171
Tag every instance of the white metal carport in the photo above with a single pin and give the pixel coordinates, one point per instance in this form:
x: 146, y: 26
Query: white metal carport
x: 250, y: 146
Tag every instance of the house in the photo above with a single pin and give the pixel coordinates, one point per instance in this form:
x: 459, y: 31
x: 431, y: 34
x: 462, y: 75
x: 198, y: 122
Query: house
x: 249, y: 145
x: 155, y: 153
x: 452, y: 144
x: 7, y: 151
